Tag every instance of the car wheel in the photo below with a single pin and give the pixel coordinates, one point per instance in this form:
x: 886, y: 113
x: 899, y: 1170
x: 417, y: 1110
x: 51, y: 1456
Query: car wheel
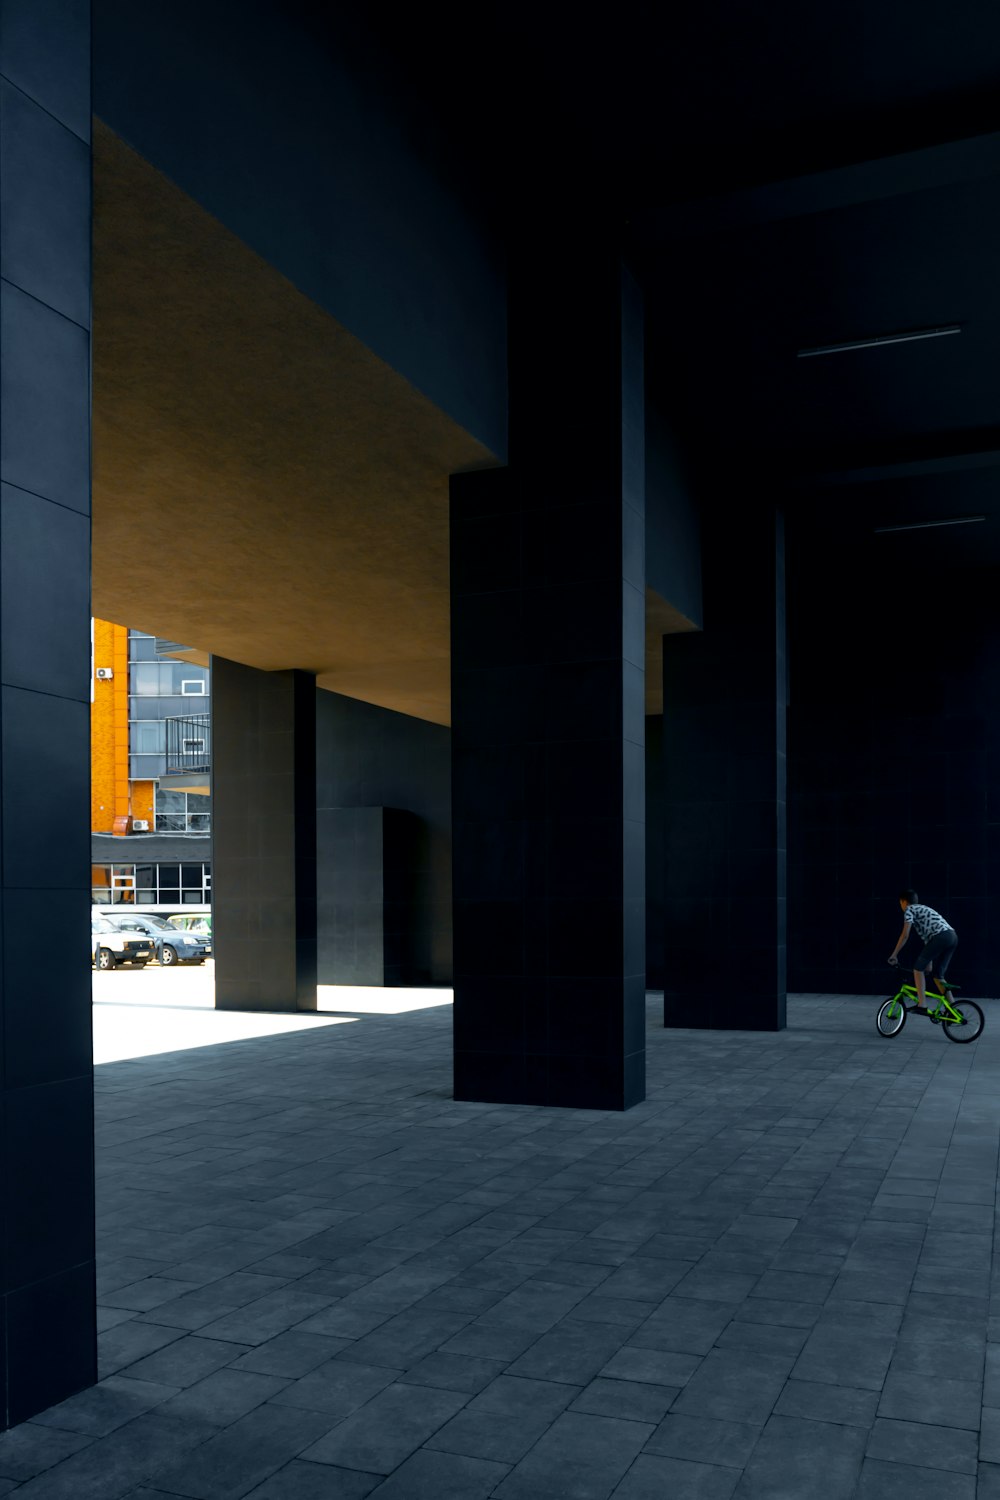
x: 168, y: 955
x: 105, y: 958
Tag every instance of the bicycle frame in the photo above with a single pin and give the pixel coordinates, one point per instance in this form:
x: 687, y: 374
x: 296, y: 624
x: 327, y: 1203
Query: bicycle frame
x: 945, y: 1010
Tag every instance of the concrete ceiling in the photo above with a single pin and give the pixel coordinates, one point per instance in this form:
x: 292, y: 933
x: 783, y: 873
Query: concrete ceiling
x: 265, y: 488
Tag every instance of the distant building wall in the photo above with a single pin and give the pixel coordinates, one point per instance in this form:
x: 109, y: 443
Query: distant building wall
x: 109, y: 790
x: 372, y: 758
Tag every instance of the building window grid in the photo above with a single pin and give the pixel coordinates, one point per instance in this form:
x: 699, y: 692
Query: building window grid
x: 152, y: 680
x: 167, y: 884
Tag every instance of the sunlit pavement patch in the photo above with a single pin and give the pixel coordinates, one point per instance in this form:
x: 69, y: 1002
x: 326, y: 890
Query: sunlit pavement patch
x: 143, y: 1012
x: 122, y: 1031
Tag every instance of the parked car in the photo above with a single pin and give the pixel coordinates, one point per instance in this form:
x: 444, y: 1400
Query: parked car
x: 171, y: 946
x: 197, y: 922
x: 110, y: 947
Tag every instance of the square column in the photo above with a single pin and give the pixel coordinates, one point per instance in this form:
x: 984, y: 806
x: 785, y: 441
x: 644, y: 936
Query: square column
x: 548, y: 651
x: 724, y: 710
x: 48, y: 1337
x: 263, y: 838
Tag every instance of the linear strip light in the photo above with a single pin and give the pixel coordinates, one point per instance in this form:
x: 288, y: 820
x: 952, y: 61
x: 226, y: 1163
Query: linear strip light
x: 881, y: 338
x: 923, y: 525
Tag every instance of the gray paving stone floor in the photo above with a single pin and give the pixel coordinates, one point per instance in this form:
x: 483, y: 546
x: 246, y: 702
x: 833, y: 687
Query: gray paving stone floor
x: 322, y: 1279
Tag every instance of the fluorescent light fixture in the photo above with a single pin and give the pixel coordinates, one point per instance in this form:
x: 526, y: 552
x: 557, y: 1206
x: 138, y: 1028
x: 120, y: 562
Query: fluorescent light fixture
x: 880, y: 339
x: 923, y: 525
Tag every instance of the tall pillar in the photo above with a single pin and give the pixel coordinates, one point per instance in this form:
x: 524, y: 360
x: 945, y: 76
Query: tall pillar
x: 724, y: 702
x: 263, y: 838
x: 548, y: 646
x: 48, y: 1340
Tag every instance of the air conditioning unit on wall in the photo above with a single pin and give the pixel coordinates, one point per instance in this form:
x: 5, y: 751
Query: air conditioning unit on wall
x: 105, y: 673
x: 140, y: 825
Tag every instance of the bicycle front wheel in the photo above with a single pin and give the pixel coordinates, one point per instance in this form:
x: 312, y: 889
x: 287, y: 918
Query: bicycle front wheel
x: 891, y: 1017
x: 969, y: 1027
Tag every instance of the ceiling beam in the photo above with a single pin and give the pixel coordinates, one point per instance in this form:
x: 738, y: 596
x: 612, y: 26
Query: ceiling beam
x: 821, y: 192
x: 957, y: 461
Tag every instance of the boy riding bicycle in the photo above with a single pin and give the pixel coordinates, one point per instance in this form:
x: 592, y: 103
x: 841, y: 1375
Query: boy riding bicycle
x: 939, y: 941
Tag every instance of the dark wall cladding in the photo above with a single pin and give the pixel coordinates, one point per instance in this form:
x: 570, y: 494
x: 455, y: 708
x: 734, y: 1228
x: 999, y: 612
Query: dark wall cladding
x: 894, y: 780
x: 372, y: 758
x: 323, y: 182
x: 48, y: 1333
x: 655, y: 881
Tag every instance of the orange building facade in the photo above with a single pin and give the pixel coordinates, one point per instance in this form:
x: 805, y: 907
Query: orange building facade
x: 114, y: 800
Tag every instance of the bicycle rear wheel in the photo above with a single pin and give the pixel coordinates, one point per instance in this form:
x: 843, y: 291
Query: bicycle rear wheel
x: 891, y: 1017
x: 969, y: 1027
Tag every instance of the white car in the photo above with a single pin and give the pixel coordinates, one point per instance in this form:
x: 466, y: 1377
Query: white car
x: 110, y: 947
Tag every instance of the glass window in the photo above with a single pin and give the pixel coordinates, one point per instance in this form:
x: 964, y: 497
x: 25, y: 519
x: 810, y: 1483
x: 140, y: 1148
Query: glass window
x: 170, y: 823
x: 169, y: 896
x: 170, y: 875
x: 199, y: 822
x: 145, y: 681
x: 170, y: 802
x: 194, y: 687
x: 147, y: 767
x: 148, y: 737
x: 191, y: 877
x: 145, y: 895
x: 141, y: 647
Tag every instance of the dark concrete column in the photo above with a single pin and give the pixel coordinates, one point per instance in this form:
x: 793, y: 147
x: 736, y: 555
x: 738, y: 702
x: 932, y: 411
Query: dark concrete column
x: 724, y: 703
x: 48, y: 1341
x: 548, y: 708
x: 263, y: 838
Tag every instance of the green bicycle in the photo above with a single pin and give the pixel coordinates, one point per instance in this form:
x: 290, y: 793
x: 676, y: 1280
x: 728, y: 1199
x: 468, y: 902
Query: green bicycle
x: 960, y: 1020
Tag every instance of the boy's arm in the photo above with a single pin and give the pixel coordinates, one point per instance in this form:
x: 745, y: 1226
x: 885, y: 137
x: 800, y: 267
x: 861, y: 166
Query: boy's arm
x: 907, y: 928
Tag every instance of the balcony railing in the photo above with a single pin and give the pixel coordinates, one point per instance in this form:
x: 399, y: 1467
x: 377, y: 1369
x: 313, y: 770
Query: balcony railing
x: 189, y: 744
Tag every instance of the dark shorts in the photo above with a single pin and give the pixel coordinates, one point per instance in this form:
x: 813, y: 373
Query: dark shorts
x: 938, y: 951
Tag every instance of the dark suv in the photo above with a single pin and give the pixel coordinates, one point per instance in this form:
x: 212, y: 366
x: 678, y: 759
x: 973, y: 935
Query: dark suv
x: 172, y: 947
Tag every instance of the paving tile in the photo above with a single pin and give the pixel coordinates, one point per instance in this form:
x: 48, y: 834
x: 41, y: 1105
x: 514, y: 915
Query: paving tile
x: 943, y: 1403
x: 290, y: 1354
x: 683, y: 1326
x: 580, y: 1457
x: 989, y: 1440
x: 268, y: 1316
x: 303, y: 1481
x: 387, y: 1429
x: 626, y: 1398
x: 645, y: 1279
x: 442, y: 1476
x: 924, y: 1445
x: 505, y: 1420
x: 655, y: 1478
x: 735, y: 1385
x: 454, y: 1372
x: 122, y: 1346
x: 339, y: 1387
x: 797, y: 1457
x: 408, y: 1338
x: 573, y: 1352
x: 988, y: 1485
x: 116, y: 1464
x: 889, y: 1481
x: 655, y: 1366
x: 705, y: 1440
x: 233, y: 1461
x: 106, y: 1406
x: 30, y: 1449
x: 181, y: 1363
x: 837, y: 1356
x: 224, y: 1396
x: 828, y: 1403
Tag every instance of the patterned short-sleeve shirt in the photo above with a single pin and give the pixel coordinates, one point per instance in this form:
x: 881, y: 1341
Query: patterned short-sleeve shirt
x: 927, y: 921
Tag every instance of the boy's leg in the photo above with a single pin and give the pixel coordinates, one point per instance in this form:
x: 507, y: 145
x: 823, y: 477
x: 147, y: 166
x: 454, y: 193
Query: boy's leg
x: 918, y: 980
